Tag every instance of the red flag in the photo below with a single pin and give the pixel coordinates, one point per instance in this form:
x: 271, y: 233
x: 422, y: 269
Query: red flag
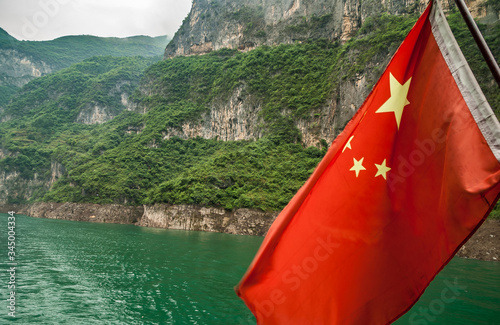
x: 409, y: 180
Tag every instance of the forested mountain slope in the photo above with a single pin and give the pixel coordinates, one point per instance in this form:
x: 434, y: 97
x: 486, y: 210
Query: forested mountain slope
x: 229, y: 129
x: 23, y: 61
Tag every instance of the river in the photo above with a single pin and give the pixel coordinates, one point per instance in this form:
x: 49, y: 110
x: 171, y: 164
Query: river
x: 89, y: 273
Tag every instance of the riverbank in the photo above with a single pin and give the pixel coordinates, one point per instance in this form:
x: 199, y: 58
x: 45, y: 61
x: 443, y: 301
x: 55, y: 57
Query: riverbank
x: 484, y: 245
x: 179, y: 217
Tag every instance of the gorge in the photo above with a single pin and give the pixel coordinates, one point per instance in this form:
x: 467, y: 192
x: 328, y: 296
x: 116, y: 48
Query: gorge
x: 223, y: 130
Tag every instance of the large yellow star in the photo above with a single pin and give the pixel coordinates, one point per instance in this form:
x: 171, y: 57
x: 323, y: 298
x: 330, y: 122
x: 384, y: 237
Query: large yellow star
x: 358, y: 166
x: 397, y: 102
x: 382, y: 169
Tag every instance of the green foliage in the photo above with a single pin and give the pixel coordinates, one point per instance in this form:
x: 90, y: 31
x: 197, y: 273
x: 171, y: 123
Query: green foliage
x: 308, y: 25
x: 65, y: 51
x: 495, y: 213
x: 195, y: 171
x: 48, y: 103
x: 259, y: 175
x: 6, y: 93
x: 495, y: 4
x: 292, y: 78
x: 378, y: 38
x: 62, y: 52
x: 129, y: 159
x: 5, y: 36
x: 26, y: 163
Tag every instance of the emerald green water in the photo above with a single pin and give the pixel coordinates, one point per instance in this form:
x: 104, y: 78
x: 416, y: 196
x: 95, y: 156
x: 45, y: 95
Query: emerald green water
x: 85, y: 273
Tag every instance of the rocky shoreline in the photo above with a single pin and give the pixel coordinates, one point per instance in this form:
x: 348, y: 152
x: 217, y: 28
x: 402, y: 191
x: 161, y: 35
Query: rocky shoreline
x: 483, y: 245
x: 179, y: 217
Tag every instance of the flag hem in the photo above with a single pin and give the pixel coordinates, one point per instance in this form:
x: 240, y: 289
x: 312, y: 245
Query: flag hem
x: 466, y: 82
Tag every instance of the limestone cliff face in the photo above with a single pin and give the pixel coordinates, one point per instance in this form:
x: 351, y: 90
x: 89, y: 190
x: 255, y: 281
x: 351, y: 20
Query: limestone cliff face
x: 14, y: 185
x: 98, y: 113
x: 94, y: 114
x: 57, y: 170
x: 246, y: 24
x: 184, y: 217
x: 229, y: 119
x: 238, y: 118
x: 110, y: 213
x: 18, y: 69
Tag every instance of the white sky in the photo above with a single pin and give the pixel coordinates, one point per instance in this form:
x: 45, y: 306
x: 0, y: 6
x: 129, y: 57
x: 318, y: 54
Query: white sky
x: 49, y: 19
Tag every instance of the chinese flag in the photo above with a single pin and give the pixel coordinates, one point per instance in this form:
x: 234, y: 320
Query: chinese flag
x: 408, y: 181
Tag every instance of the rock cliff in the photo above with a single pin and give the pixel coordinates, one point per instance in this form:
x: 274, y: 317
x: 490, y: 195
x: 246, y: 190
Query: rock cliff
x: 246, y: 24
x: 181, y: 217
x: 14, y: 185
x: 17, y: 68
x: 111, y: 213
x: 212, y: 25
x: 238, y: 116
x: 228, y: 119
x: 185, y: 217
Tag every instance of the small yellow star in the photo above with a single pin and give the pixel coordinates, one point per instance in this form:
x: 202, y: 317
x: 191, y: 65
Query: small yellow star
x: 348, y: 144
x: 397, y: 102
x: 382, y: 169
x: 358, y: 166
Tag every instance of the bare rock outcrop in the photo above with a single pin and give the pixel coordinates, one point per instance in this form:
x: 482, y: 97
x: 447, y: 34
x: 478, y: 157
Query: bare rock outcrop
x: 18, y: 69
x: 186, y: 217
x: 104, y: 213
x: 245, y: 24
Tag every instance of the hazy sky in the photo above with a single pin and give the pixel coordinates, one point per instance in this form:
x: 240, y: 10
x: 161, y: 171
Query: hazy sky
x: 49, y: 19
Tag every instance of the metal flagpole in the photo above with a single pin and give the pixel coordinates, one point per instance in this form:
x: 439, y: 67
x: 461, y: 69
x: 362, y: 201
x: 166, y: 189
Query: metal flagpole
x: 481, y: 43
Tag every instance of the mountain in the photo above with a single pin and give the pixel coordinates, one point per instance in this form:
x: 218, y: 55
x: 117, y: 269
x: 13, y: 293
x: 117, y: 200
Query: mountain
x: 229, y: 128
x: 4, y: 36
x: 64, y: 51
x: 246, y: 24
x: 22, y: 61
x: 89, y: 92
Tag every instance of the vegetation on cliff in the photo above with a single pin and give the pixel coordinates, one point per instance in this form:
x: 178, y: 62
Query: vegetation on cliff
x: 62, y: 52
x: 53, y: 101
x: 129, y: 159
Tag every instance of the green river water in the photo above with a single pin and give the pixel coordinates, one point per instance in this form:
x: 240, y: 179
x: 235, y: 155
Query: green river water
x: 87, y: 273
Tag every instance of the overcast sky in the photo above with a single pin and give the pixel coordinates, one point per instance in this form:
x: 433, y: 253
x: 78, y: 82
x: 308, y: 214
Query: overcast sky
x: 49, y: 19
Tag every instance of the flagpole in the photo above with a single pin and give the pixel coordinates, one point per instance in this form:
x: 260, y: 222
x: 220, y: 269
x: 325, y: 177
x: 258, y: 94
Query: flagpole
x: 481, y: 43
